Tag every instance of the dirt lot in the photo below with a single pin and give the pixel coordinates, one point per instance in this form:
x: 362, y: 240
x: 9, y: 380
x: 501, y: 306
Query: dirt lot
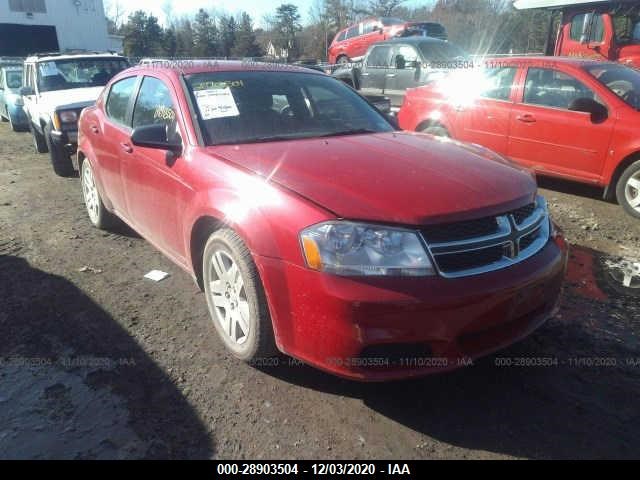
x: 96, y: 362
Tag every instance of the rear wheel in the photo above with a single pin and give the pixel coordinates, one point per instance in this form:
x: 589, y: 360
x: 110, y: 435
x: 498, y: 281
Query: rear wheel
x: 236, y: 298
x: 342, y: 60
x: 628, y: 190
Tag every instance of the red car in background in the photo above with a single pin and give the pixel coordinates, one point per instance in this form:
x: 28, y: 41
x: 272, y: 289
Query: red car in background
x: 352, y: 43
x: 313, y: 226
x: 572, y: 118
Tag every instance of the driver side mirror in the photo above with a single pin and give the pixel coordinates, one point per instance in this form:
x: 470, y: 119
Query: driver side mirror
x: 599, y: 112
x: 27, y: 91
x: 159, y: 136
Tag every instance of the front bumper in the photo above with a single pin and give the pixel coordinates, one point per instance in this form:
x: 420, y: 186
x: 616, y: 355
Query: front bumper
x: 66, y: 140
x: 375, y: 329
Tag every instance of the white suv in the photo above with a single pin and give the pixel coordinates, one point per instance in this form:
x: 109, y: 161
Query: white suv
x: 56, y: 87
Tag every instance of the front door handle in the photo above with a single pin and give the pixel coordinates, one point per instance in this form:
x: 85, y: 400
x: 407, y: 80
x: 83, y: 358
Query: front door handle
x: 126, y: 147
x: 526, y: 118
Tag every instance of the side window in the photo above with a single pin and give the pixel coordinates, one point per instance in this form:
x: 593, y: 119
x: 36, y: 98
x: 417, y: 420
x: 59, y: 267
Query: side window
x: 498, y: 82
x: 342, y: 36
x: 551, y: 88
x: 352, y: 32
x: 154, y: 104
x: 379, y: 57
x: 405, y: 55
x: 1, y: 79
x: 118, y: 101
x: 369, y: 27
x: 578, y: 26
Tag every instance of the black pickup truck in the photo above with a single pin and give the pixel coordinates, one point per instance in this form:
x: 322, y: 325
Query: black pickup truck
x: 391, y: 67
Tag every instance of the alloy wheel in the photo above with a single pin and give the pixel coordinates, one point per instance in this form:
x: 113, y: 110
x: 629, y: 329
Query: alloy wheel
x: 90, y: 193
x: 229, y: 298
x: 632, y: 191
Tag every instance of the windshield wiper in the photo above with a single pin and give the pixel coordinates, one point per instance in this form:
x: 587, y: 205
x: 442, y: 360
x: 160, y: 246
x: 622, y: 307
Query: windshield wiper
x: 355, y: 131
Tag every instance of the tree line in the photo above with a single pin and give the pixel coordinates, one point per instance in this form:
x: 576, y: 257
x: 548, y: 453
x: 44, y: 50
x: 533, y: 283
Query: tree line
x: 478, y: 26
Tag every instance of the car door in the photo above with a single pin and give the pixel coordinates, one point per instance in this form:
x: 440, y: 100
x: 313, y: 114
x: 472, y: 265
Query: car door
x: 109, y: 133
x: 154, y: 190
x: 485, y: 119
x: 547, y: 136
x: 369, y: 34
x: 351, y: 42
x: 404, y: 73
x: 373, y: 77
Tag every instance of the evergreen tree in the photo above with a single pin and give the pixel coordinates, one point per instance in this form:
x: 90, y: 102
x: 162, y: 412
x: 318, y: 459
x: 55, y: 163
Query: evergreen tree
x: 205, y: 35
x: 228, y: 32
x: 287, y: 26
x: 246, y: 44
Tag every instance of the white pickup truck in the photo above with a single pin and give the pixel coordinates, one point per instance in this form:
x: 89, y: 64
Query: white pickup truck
x: 55, y: 89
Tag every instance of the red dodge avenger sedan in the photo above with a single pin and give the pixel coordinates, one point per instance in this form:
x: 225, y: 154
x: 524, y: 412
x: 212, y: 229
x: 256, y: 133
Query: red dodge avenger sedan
x: 313, y: 226
x: 567, y: 117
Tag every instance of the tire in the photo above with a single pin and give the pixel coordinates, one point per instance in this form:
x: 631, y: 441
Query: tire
x: 60, y: 159
x: 628, y: 190
x: 435, y: 130
x: 39, y: 141
x: 238, y: 305
x: 342, y: 60
x: 100, y: 217
x: 13, y: 125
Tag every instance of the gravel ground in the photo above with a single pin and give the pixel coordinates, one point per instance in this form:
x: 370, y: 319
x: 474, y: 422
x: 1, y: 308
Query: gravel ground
x: 96, y: 362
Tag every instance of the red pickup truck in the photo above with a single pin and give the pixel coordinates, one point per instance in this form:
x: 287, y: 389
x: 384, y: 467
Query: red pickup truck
x: 567, y: 117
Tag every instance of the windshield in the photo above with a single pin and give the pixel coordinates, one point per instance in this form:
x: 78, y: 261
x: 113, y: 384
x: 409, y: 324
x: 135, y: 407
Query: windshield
x: 14, y: 78
x: 621, y: 80
x: 78, y: 73
x: 388, y: 22
x: 246, y: 107
x: 441, y: 51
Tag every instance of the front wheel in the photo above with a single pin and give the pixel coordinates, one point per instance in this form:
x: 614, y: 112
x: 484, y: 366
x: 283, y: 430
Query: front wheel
x: 435, y: 130
x: 236, y: 298
x: 100, y: 217
x: 60, y: 158
x: 39, y: 142
x: 628, y: 190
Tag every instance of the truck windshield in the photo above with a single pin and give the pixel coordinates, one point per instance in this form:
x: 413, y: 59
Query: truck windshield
x: 14, y: 78
x: 621, y: 80
x: 78, y: 73
x: 259, y: 106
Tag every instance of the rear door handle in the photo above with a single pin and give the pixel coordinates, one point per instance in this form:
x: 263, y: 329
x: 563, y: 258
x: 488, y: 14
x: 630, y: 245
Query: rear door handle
x: 126, y: 147
x: 526, y: 118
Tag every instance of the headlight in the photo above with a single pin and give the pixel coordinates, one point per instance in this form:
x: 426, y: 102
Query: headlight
x: 68, y: 117
x: 358, y: 249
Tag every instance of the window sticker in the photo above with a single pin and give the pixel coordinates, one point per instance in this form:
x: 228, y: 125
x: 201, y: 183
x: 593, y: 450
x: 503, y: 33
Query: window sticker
x: 218, y: 103
x: 164, y: 113
x: 218, y: 85
x: 49, y: 69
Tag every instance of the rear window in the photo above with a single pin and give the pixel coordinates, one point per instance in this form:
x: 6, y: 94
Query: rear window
x: 441, y: 51
x: 78, y: 73
x: 14, y: 78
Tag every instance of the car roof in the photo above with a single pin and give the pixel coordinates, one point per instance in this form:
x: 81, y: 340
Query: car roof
x: 548, y: 60
x: 190, y: 67
x: 49, y: 57
x: 411, y: 40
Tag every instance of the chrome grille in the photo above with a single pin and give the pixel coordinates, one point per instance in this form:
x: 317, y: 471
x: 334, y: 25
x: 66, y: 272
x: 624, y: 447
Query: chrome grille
x: 479, y: 246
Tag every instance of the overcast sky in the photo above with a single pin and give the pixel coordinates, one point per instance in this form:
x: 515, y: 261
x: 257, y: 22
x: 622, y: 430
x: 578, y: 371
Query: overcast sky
x: 256, y: 8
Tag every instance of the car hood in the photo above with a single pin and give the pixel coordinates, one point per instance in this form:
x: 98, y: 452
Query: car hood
x: 75, y: 97
x: 400, y: 177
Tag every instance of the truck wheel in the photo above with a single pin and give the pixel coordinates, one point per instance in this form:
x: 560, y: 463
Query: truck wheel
x: 39, y: 141
x: 436, y: 130
x: 60, y: 159
x: 236, y: 298
x: 628, y: 189
x: 100, y: 217
x: 342, y: 60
